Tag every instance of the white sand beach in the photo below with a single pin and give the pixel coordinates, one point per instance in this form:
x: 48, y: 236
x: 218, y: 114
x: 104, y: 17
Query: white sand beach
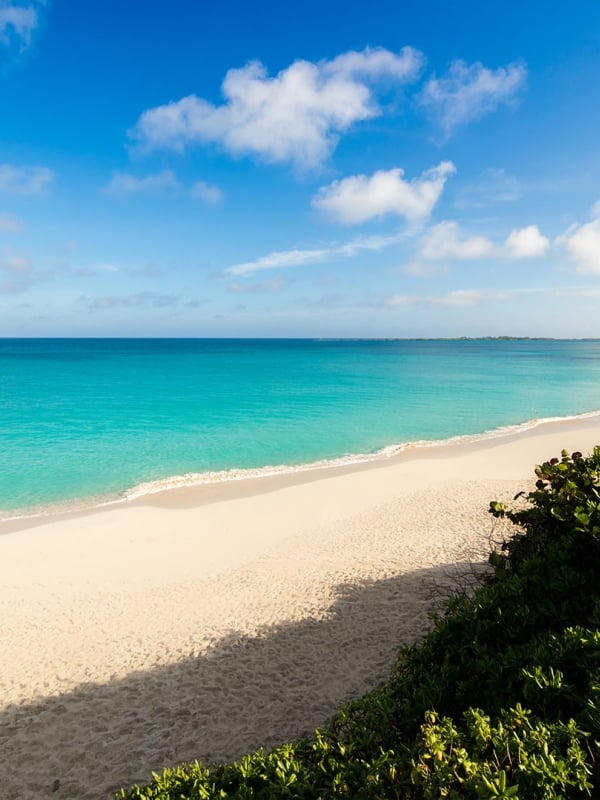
x: 206, y: 622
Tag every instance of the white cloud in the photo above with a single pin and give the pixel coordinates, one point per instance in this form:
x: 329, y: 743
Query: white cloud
x: 583, y: 244
x: 296, y: 116
x: 468, y: 92
x: 298, y: 258
x: 284, y: 258
x: 445, y: 241
x: 10, y: 224
x: 208, y: 193
x: 25, y: 180
x: 17, y: 22
x: 359, y: 198
x: 123, y: 183
x: 377, y: 63
x: 526, y: 243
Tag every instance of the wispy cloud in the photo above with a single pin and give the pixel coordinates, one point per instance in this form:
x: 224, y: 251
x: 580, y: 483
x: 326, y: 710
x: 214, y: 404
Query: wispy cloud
x: 467, y: 298
x: 494, y: 186
x: 10, y: 224
x: 16, y: 274
x: 25, y: 180
x: 459, y: 298
x: 19, y: 273
x: 124, y: 183
x: 272, y: 285
x: 442, y: 242
x: 207, y: 192
x: 17, y: 23
x: 295, y: 117
x: 468, y: 92
x: 455, y: 298
x: 397, y: 300
x: 298, y: 258
x: 359, y: 198
x: 20, y: 22
x: 141, y: 299
x: 282, y: 258
x: 331, y: 300
x: 583, y: 244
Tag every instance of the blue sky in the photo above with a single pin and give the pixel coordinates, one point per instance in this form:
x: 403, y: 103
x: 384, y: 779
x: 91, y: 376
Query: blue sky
x: 299, y: 169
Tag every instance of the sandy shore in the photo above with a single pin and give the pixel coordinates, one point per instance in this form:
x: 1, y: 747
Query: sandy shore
x: 206, y: 622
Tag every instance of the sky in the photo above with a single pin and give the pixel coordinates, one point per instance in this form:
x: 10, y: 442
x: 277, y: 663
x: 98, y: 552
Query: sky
x: 299, y: 169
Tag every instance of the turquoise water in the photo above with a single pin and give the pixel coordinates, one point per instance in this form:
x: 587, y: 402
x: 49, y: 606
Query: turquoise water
x: 84, y: 420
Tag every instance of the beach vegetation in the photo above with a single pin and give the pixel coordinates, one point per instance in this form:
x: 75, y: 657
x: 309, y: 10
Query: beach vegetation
x: 501, y: 699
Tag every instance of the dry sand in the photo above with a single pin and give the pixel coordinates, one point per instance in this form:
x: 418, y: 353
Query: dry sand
x: 207, y: 622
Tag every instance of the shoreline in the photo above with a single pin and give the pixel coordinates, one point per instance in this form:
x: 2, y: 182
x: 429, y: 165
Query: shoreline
x: 206, y: 622
x: 23, y: 517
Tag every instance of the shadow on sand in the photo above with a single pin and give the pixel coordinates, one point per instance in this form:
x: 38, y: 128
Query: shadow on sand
x: 244, y: 694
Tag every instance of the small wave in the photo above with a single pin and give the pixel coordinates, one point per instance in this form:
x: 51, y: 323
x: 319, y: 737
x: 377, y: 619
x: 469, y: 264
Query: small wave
x: 61, y: 507
x: 190, y: 479
x: 389, y: 451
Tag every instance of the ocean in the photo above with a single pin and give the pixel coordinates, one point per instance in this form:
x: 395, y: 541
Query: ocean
x: 87, y: 421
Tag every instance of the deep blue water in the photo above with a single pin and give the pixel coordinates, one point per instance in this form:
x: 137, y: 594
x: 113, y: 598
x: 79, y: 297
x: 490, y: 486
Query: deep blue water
x: 85, y: 419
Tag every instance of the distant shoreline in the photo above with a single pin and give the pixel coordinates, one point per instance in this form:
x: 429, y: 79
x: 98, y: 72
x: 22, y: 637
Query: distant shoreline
x: 506, y: 338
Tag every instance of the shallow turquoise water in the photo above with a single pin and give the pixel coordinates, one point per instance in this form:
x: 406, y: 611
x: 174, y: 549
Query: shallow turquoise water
x: 90, y: 418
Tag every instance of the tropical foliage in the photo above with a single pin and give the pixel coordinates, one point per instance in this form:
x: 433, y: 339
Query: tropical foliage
x: 500, y: 700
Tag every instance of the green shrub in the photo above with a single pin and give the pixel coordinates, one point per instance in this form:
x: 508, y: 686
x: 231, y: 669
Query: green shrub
x: 562, y: 519
x: 500, y: 700
x: 513, y: 756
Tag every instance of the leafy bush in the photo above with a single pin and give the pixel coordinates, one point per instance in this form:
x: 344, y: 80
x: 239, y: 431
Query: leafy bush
x: 514, y: 756
x: 319, y: 768
x: 563, y: 512
x: 500, y: 700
